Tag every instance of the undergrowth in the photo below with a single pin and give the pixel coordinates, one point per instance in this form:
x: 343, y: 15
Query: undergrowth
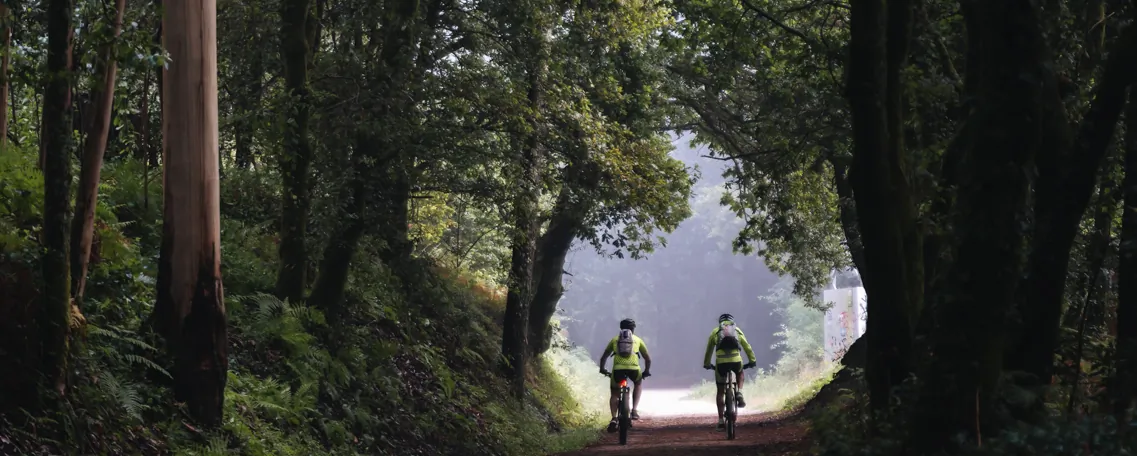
x: 773, y: 390
x: 413, y: 371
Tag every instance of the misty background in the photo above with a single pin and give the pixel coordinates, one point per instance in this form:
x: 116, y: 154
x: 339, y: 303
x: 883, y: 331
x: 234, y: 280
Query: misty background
x: 677, y: 293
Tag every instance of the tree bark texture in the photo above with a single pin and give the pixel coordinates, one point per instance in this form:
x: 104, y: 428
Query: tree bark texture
x: 885, y: 212
x: 56, y: 146
x: 190, y: 311
x: 83, y: 225
x: 960, y: 385
x: 296, y: 158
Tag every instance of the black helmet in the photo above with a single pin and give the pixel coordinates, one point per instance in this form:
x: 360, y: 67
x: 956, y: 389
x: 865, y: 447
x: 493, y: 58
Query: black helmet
x: 627, y: 323
x: 725, y: 317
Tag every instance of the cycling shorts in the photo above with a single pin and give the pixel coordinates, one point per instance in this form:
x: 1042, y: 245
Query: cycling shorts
x: 632, y: 374
x: 721, y: 370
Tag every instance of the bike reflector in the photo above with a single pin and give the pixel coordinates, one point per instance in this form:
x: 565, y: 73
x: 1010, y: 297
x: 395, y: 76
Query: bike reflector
x: 623, y: 383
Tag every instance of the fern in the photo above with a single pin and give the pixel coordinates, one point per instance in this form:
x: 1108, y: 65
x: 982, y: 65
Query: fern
x: 125, y: 395
x: 98, y: 331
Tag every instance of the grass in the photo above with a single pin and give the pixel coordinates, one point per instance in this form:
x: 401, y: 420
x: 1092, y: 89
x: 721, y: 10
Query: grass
x: 772, y: 391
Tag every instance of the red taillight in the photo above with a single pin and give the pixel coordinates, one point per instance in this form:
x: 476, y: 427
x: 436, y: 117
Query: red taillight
x: 623, y: 383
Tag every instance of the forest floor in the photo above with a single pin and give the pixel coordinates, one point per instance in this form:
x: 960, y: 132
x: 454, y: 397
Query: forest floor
x: 674, y: 426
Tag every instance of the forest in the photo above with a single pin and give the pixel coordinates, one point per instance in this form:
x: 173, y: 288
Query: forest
x: 268, y: 227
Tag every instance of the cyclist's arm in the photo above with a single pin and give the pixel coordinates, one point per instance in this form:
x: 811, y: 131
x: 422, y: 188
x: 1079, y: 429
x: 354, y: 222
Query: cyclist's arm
x: 710, y: 349
x: 607, y: 352
x: 647, y: 357
x: 746, y: 346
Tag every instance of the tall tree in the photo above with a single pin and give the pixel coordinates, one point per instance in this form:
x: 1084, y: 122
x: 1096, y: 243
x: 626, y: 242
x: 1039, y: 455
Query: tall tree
x: 296, y: 157
x: 529, y: 32
x: 83, y: 225
x: 190, y: 311
x: 886, y: 213
x: 55, y: 147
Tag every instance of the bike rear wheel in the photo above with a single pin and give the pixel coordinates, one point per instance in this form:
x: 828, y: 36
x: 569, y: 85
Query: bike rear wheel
x: 625, y: 420
x: 731, y: 406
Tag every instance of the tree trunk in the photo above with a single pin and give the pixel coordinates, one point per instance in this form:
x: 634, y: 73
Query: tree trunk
x: 328, y: 291
x: 1123, y: 385
x: 190, y: 311
x: 56, y: 145
x: 553, y: 248
x: 961, y: 383
x: 885, y: 211
x: 6, y: 31
x: 515, y: 327
x: 1066, y: 174
x: 297, y: 156
x: 83, y: 226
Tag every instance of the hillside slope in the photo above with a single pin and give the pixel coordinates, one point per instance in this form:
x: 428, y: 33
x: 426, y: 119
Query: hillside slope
x: 412, y: 372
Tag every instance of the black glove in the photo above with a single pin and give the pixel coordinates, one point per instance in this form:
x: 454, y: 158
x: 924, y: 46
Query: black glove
x: 603, y: 371
x: 708, y: 367
x: 647, y: 374
x: 750, y: 365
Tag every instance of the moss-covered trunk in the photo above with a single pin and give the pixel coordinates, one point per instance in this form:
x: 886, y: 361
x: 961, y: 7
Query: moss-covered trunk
x: 190, y: 310
x: 56, y: 147
x: 296, y: 158
x: 83, y: 226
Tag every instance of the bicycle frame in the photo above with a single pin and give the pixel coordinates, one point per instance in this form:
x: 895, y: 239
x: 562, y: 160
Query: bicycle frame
x: 730, y: 413
x: 623, y: 413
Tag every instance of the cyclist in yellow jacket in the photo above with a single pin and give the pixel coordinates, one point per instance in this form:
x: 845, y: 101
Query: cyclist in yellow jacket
x: 626, y: 365
x: 728, y: 358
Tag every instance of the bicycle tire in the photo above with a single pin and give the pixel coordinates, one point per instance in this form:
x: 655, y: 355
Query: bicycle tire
x: 731, y: 406
x: 622, y: 416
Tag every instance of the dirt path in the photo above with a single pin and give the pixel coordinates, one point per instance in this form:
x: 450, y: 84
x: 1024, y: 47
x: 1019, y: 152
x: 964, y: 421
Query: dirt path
x: 672, y: 426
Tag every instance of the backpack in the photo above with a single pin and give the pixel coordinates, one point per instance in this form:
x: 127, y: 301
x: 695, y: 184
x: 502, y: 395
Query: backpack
x: 728, y: 336
x: 624, y: 343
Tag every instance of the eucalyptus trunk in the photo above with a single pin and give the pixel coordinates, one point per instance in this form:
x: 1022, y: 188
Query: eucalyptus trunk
x: 190, y: 310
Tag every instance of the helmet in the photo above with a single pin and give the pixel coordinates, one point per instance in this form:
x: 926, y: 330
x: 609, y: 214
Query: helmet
x: 725, y: 317
x: 627, y: 323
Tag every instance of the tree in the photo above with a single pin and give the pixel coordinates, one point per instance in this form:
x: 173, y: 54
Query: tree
x: 295, y: 161
x: 55, y: 146
x: 95, y: 147
x: 190, y: 311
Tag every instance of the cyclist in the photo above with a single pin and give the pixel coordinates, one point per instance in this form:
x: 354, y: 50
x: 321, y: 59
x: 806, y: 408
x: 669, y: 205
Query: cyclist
x: 625, y: 350
x: 728, y: 358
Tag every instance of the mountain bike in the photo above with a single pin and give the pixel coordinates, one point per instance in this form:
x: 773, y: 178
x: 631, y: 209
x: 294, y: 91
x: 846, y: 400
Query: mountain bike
x: 730, y: 412
x: 623, y: 413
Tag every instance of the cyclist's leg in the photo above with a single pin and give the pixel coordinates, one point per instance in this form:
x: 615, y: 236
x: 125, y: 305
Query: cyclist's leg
x: 737, y: 367
x: 614, y: 400
x: 720, y: 392
x: 638, y: 381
